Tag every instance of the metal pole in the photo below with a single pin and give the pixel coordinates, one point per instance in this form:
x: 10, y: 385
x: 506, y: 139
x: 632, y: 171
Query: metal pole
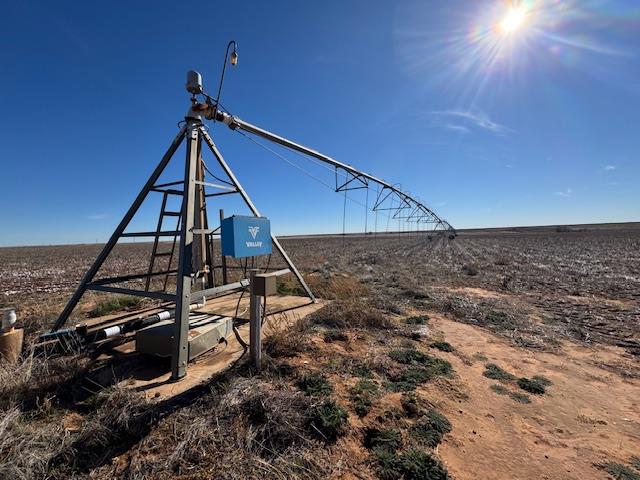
x: 200, y: 246
x: 223, y: 257
x: 255, y: 211
x: 180, y: 345
x: 344, y: 216
x: 88, y: 277
x: 366, y: 211
x: 255, y: 325
x: 211, y: 279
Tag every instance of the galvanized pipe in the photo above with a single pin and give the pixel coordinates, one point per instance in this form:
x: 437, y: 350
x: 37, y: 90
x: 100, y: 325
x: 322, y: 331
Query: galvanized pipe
x: 141, y: 323
x: 234, y: 123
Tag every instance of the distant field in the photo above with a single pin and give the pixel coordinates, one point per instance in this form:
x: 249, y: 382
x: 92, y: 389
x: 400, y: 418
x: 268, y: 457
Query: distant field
x: 579, y: 281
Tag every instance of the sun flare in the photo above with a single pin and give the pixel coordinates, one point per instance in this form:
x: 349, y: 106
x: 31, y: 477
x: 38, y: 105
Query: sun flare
x: 513, y: 20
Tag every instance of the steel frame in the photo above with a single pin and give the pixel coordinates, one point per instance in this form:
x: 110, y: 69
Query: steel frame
x: 192, y: 193
x: 352, y: 176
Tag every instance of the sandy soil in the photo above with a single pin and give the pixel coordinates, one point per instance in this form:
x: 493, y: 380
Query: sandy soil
x: 589, y: 415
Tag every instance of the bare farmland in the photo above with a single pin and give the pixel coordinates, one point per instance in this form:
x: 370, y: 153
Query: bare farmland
x: 501, y: 354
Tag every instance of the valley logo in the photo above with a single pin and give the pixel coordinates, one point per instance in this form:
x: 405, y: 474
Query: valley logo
x: 253, y: 231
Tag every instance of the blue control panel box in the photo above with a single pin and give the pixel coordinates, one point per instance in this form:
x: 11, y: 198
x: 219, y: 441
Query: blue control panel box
x: 244, y: 236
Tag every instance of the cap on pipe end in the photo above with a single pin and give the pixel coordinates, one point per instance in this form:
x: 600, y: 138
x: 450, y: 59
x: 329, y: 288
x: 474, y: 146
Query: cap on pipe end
x: 194, y: 82
x: 9, y: 319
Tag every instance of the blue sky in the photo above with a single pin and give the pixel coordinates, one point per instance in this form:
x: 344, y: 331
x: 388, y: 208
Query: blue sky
x: 489, y: 124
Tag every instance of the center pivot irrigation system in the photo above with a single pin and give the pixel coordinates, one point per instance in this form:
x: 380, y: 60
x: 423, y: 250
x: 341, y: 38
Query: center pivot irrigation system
x: 179, y: 328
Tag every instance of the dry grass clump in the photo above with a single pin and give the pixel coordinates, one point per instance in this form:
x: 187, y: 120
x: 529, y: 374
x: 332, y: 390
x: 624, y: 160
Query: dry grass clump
x: 334, y: 287
x: 248, y: 428
x: 335, y: 336
x: 37, y: 316
x: 351, y: 314
x: 28, y: 444
x: 34, y: 378
x: 337, y: 287
x: 285, y: 338
x: 288, y: 285
x: 36, y: 444
x: 120, y: 419
x: 275, y: 418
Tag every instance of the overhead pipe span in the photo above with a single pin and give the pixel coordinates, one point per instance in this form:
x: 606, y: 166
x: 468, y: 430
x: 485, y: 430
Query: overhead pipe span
x: 407, y: 201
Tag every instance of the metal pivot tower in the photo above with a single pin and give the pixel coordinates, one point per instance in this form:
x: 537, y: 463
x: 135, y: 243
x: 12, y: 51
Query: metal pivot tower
x: 194, y: 252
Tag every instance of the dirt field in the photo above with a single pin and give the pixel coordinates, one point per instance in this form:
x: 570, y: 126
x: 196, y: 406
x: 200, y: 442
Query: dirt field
x: 561, y: 305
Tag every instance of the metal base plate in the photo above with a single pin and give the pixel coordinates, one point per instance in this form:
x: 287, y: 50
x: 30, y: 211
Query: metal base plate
x: 157, y: 339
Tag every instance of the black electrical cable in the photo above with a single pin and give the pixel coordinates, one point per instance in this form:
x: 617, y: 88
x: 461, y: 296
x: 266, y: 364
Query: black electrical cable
x: 215, y: 176
x: 245, y: 345
x: 264, y: 310
x: 241, y: 341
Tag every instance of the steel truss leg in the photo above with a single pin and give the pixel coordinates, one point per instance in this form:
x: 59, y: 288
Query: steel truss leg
x: 180, y: 344
x: 88, y: 277
x: 254, y: 210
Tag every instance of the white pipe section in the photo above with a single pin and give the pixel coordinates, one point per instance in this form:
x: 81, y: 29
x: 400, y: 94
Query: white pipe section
x: 9, y: 319
x: 167, y: 314
x: 160, y: 316
x: 112, y: 331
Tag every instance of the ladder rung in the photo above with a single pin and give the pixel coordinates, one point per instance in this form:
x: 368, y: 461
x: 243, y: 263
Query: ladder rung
x: 169, y: 191
x: 151, y: 234
x: 171, y: 214
x: 170, y: 184
x: 163, y: 254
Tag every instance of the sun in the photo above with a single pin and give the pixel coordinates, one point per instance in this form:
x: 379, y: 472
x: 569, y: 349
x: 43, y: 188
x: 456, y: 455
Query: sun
x: 513, y: 20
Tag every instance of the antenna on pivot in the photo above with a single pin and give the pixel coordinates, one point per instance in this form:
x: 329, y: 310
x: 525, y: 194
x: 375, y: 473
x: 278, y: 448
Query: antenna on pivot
x: 233, y: 60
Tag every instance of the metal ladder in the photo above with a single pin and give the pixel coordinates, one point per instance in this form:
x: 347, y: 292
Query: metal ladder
x: 168, y: 254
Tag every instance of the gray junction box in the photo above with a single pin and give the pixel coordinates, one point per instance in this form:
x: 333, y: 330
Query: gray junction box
x: 157, y: 339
